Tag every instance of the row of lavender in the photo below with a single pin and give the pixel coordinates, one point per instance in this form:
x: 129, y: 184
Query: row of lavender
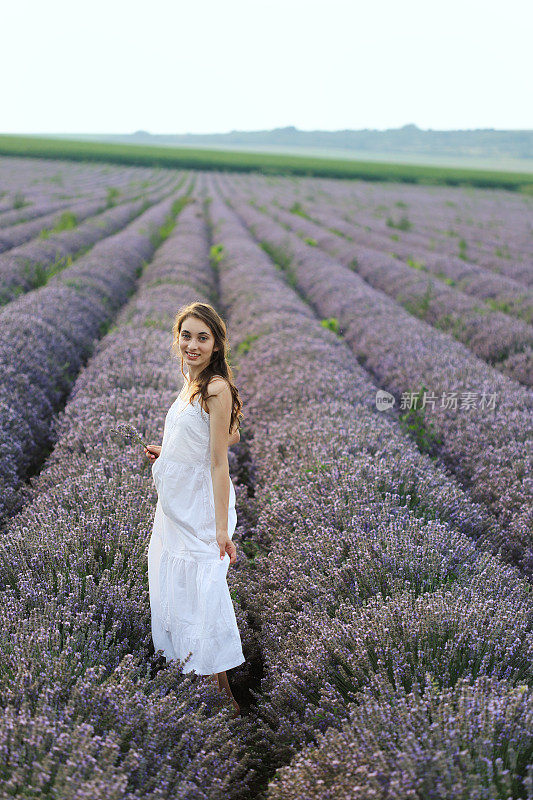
x: 503, y: 342
x: 47, y: 335
x: 386, y: 636
x: 25, y: 267
x: 489, y: 448
x: 28, y: 184
x: 496, y: 290
x: 489, y: 228
x: 84, y: 702
x: 43, y: 224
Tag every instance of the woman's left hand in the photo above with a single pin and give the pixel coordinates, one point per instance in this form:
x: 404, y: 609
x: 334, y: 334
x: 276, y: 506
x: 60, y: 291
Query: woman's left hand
x: 227, y: 546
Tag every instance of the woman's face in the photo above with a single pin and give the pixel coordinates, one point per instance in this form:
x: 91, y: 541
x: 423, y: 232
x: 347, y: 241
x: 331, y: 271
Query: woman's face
x: 196, y: 344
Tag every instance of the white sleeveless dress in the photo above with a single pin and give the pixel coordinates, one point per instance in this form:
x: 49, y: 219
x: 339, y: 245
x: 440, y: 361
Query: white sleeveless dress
x: 190, y: 603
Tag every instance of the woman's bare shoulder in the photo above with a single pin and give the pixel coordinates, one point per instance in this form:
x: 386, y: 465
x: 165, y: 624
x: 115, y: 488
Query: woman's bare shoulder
x: 217, y: 384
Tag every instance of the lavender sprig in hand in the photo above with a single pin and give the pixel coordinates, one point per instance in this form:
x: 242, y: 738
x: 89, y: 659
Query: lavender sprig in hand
x: 128, y: 433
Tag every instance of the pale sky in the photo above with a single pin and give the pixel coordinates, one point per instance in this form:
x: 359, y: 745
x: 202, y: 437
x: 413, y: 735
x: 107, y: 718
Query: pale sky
x: 212, y: 66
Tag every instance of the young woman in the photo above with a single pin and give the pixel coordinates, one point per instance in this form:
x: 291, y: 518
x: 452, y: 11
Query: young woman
x: 191, y: 544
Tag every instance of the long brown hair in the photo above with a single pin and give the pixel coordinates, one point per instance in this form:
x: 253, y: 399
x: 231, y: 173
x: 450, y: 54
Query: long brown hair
x: 218, y: 365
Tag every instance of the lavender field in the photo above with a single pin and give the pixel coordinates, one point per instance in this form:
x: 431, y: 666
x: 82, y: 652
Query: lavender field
x: 383, y: 582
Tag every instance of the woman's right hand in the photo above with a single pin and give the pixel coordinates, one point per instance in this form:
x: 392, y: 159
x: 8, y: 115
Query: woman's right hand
x: 153, y: 451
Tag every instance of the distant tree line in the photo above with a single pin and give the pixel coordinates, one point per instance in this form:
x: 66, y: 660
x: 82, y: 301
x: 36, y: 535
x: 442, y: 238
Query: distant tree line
x: 485, y: 142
